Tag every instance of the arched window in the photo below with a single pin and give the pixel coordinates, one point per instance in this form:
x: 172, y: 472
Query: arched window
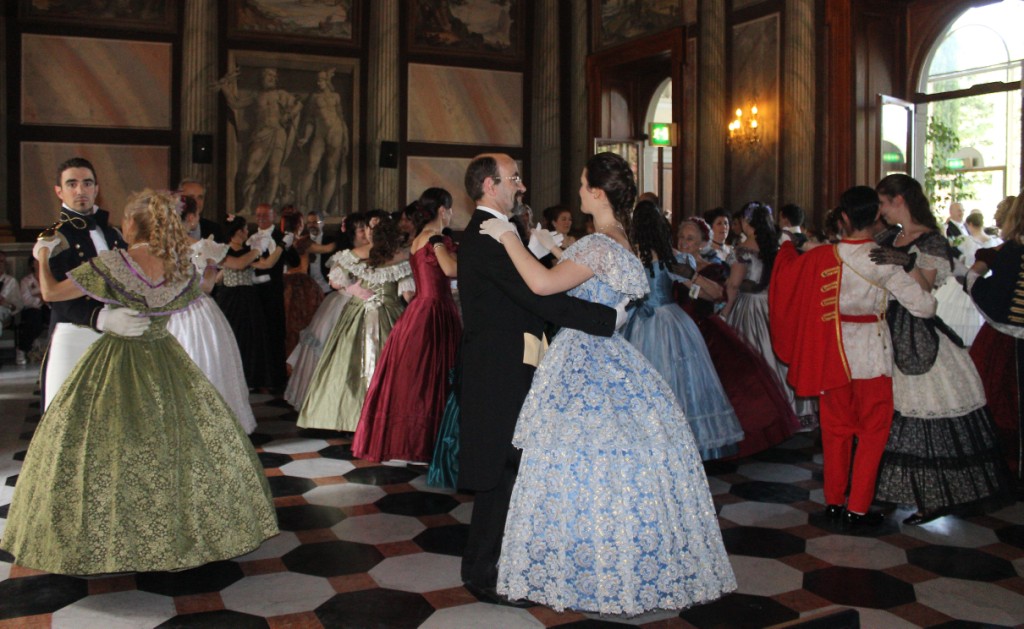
x: 659, y: 163
x: 969, y: 112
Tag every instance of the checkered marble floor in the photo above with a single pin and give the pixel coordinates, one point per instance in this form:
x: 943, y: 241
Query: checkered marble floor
x: 370, y: 545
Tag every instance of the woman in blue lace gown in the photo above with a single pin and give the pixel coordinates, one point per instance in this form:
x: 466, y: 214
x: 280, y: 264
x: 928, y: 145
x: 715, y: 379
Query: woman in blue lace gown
x: 669, y: 338
x: 611, y: 511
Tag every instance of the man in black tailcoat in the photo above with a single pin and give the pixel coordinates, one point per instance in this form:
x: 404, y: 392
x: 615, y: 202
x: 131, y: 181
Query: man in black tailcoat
x: 271, y: 293
x: 501, y: 346
x: 81, y: 234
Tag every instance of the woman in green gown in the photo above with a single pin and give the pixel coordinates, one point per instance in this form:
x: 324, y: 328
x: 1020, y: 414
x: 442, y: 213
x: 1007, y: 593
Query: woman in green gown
x: 376, y: 275
x: 138, y: 464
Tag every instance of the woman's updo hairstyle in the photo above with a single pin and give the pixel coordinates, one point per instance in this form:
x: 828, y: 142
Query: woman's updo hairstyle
x: 387, y: 238
x: 702, y: 226
x: 913, y: 195
x: 428, y: 206
x: 188, y: 207
x: 156, y: 220
x: 232, y: 225
x: 611, y: 173
x: 291, y: 219
x: 759, y: 216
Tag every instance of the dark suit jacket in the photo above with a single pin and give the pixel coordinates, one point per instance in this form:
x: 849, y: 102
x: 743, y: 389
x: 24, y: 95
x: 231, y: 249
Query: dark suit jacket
x: 498, y: 308
x: 952, y: 231
x: 210, y: 228
x: 81, y: 311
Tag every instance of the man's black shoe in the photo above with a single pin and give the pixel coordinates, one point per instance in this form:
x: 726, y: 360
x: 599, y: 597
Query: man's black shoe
x: 857, y: 520
x: 834, y: 513
x: 490, y: 595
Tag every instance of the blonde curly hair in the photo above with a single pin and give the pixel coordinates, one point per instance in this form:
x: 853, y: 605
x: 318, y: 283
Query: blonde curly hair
x: 158, y: 223
x: 1013, y: 220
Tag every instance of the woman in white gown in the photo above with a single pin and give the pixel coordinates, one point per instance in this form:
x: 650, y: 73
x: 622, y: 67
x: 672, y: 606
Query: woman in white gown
x: 956, y: 309
x: 204, y: 332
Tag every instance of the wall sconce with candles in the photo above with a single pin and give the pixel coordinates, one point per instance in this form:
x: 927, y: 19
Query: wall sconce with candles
x: 745, y: 130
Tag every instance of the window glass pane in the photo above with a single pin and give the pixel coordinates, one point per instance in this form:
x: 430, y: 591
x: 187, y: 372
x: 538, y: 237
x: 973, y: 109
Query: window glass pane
x: 983, y: 45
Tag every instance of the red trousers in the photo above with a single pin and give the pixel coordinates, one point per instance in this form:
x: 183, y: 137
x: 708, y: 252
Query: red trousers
x: 862, y: 409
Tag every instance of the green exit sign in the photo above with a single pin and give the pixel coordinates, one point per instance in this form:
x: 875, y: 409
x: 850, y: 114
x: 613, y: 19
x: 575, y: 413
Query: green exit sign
x: 662, y: 134
x: 955, y: 163
x: 892, y: 157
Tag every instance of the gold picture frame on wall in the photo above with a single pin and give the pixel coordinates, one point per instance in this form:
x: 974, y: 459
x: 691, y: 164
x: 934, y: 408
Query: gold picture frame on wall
x: 140, y: 15
x: 488, y: 29
x: 292, y: 131
x: 301, y: 21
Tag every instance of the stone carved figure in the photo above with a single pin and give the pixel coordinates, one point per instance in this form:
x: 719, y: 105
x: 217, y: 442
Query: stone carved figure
x: 268, y: 144
x: 326, y: 136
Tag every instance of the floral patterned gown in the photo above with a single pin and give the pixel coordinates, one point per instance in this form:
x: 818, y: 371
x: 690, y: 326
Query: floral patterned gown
x: 138, y: 464
x: 611, y: 511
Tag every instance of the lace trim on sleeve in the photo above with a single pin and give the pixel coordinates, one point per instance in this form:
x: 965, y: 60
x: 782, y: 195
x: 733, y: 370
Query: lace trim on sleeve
x: 611, y: 264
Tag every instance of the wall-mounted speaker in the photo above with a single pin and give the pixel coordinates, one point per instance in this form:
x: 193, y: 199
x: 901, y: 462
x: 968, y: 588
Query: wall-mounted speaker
x: 388, y: 155
x: 202, y: 149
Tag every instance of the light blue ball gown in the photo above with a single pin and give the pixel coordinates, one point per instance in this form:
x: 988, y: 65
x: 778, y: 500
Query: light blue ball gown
x: 611, y: 511
x: 669, y: 338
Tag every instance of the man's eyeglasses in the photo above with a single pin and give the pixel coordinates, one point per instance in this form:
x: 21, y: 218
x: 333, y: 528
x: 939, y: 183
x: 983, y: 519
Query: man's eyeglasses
x: 512, y: 178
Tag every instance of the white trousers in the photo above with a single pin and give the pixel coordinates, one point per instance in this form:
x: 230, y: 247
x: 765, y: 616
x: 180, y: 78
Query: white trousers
x: 67, y: 346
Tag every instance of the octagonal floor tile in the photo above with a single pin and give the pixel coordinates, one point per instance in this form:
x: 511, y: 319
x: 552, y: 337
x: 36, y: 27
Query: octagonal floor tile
x: 277, y: 426
x: 869, y: 618
x: 855, y: 552
x: 755, y: 541
x: 219, y: 619
x: 446, y: 540
x: 375, y: 608
x: 972, y: 601
x: 307, y: 517
x: 859, y: 587
x: 340, y: 452
x: 961, y: 563
x: 770, y: 515
x: 289, y: 485
x: 41, y: 594
x: 420, y: 483
x: 294, y: 445
x: 381, y: 475
x: 211, y: 577
x: 951, y: 531
x: 774, y: 472
x: 378, y: 528
x: 739, y: 611
x: 118, y: 610
x: 718, y: 486
x: 317, y: 468
x: 764, y: 577
x: 463, y: 513
x: 276, y: 546
x: 476, y: 615
x: 415, y: 503
x: 1014, y: 514
x: 1012, y: 535
x: 271, y: 460
x: 331, y: 559
x: 783, y: 455
x: 344, y: 495
x: 420, y: 572
x: 277, y: 594
x: 762, y: 491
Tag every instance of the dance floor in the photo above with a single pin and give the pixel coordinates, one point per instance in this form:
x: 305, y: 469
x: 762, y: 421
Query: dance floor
x: 369, y: 545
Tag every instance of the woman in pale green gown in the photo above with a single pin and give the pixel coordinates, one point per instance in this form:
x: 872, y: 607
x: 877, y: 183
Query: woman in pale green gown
x: 376, y: 275
x: 138, y: 464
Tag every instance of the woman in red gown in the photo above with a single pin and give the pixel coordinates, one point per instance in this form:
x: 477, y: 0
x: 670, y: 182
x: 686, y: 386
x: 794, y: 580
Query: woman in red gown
x: 750, y: 384
x: 407, y: 395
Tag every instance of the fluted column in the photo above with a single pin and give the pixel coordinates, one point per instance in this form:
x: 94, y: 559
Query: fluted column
x: 382, y: 121
x: 545, y: 154
x: 5, y: 214
x: 711, y: 109
x: 798, y: 141
x: 581, y: 141
x: 198, y: 97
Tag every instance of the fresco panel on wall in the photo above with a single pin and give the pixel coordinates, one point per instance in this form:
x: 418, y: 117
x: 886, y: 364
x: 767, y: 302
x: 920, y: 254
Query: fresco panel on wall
x: 452, y: 105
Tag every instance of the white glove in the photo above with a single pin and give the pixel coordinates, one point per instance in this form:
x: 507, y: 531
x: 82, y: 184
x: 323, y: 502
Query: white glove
x: 260, y: 279
x: 496, y: 228
x: 288, y: 239
x: 50, y: 245
x: 545, y: 238
x: 356, y: 290
x: 121, y: 321
x: 620, y: 313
